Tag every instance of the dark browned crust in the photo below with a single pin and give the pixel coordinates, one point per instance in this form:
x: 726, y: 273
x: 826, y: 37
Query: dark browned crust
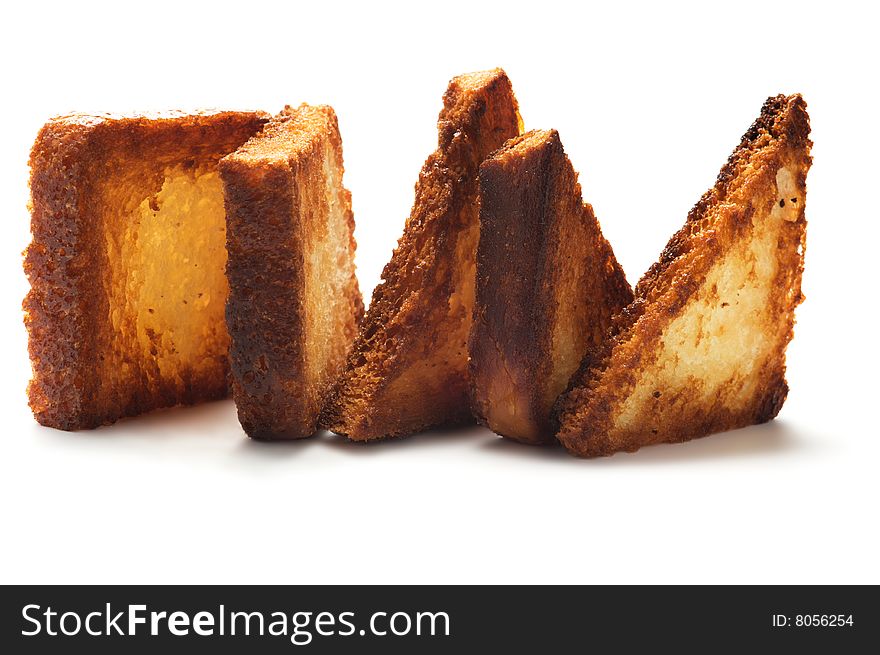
x: 66, y: 307
x: 719, y: 220
x: 267, y: 241
x: 410, y: 317
x: 535, y: 228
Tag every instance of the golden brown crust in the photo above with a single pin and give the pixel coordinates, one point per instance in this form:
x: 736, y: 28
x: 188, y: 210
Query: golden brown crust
x: 750, y: 228
x: 77, y: 163
x: 285, y: 205
x: 408, y: 367
x: 547, y: 286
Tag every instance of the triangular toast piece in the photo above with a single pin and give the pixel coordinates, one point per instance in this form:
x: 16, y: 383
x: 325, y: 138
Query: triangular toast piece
x: 547, y: 286
x: 702, y: 347
x: 125, y: 310
x: 294, y: 304
x: 408, y: 367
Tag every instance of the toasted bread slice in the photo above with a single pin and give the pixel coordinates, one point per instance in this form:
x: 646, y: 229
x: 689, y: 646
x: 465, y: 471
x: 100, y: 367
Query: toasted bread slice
x: 125, y: 310
x: 702, y: 347
x: 408, y: 367
x: 547, y: 286
x: 294, y: 303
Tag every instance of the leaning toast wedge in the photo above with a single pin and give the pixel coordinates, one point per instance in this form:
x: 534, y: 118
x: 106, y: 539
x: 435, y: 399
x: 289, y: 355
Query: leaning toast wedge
x: 547, y: 286
x: 125, y: 310
x: 408, y: 368
x: 702, y: 347
x: 294, y: 303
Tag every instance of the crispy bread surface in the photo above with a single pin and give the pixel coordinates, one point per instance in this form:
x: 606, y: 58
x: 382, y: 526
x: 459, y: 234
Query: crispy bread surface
x: 547, y: 286
x: 294, y: 303
x: 408, y: 367
x: 125, y: 310
x: 702, y: 347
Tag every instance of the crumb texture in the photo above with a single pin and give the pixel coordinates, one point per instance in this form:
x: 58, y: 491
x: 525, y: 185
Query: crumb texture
x: 408, y: 367
x: 702, y: 347
x: 125, y: 311
x: 165, y: 284
x: 294, y: 303
x: 547, y: 286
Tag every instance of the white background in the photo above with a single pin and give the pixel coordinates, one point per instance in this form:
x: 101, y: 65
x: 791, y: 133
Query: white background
x: 649, y: 101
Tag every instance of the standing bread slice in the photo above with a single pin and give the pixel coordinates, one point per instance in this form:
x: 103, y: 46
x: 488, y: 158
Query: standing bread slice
x: 547, y: 286
x: 408, y: 368
x: 702, y: 347
x: 125, y: 310
x: 294, y: 303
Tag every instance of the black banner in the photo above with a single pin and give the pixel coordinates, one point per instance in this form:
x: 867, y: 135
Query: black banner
x: 289, y: 619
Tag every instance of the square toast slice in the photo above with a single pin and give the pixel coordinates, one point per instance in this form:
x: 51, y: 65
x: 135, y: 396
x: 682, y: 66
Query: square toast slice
x: 125, y: 310
x: 702, y: 347
x: 294, y: 303
x: 547, y: 286
x: 408, y: 368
